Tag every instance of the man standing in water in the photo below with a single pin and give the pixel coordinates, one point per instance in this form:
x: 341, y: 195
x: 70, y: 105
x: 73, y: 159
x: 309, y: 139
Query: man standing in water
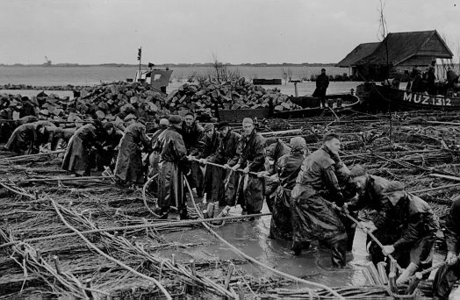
x: 192, y: 133
x: 173, y: 165
x: 322, y: 83
x: 251, y: 188
x: 315, y: 199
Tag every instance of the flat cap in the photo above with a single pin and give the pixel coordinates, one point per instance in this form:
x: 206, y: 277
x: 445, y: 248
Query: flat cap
x: 164, y: 121
x: 298, y: 143
x: 208, y: 127
x: 357, y: 171
x: 394, y: 186
x: 129, y: 118
x: 248, y: 121
x: 222, y: 125
x: 175, y: 119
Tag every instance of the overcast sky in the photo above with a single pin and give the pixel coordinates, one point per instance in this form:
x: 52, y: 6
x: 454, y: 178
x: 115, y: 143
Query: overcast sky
x: 187, y: 31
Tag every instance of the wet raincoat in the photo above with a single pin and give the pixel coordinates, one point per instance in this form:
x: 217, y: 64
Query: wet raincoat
x: 192, y: 136
x: 129, y: 166
x: 173, y: 164
x: 77, y: 154
x: 227, y: 153
x: 275, y: 151
x: 24, y: 140
x: 314, y: 217
x: 288, y: 168
x: 251, y: 188
x: 154, y: 156
x: 8, y: 127
x: 448, y: 275
x: 374, y: 199
x: 415, y: 226
x: 213, y: 176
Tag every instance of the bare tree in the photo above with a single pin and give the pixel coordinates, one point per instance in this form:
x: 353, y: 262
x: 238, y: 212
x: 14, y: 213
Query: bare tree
x: 222, y: 73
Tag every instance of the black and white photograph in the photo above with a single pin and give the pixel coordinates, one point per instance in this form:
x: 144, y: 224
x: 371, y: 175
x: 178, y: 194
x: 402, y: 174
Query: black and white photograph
x: 229, y: 149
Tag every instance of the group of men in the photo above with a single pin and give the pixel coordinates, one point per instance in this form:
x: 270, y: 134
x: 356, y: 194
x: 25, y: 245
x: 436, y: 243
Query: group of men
x: 312, y: 197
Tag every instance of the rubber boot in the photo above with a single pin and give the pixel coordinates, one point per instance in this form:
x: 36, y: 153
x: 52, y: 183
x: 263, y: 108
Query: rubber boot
x: 183, y: 213
x: 162, y: 212
x: 339, y: 254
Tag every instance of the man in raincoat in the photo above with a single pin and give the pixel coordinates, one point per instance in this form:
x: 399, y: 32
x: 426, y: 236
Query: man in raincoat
x: 191, y: 134
x: 228, y: 156
x: 78, y: 152
x: 129, y: 167
x: 154, y: 157
x: 214, y: 176
x: 252, y: 150
x: 27, y: 138
x: 275, y: 149
x: 108, y: 154
x: 449, y: 273
x: 172, y: 167
x: 315, y: 199
x: 370, y: 196
x: 286, y: 171
x: 416, y: 230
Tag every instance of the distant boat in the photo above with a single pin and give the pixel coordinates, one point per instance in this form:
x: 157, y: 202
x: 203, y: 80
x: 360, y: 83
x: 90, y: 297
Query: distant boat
x: 267, y: 81
x: 157, y: 78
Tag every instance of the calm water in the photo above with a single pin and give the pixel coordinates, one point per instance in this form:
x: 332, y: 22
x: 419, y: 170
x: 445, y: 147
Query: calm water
x: 62, y: 76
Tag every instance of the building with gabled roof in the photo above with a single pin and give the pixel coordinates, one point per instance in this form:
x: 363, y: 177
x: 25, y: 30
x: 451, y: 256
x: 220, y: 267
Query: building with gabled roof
x: 399, y: 51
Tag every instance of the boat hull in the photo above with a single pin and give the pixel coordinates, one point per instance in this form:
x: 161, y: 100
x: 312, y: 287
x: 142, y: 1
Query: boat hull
x: 381, y: 98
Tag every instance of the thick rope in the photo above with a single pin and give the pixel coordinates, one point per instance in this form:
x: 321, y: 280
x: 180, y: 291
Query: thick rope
x: 157, y: 283
x: 375, y: 240
x: 144, y: 197
x: 238, y: 251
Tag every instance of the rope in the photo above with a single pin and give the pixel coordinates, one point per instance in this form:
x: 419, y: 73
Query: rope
x: 238, y: 251
x: 221, y: 166
x: 375, y: 240
x: 144, y: 197
x: 158, y: 284
x: 419, y: 275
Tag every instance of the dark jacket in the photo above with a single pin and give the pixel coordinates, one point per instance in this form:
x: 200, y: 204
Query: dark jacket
x: 192, y: 136
x: 173, y: 162
x: 252, y: 152
x: 318, y: 172
x: 322, y: 82
x: 129, y: 167
x: 452, y: 232
x: 417, y: 221
x: 208, y: 146
x: 77, y: 155
x: 171, y: 147
x: 373, y: 198
x: 24, y: 140
x: 288, y: 168
x: 227, y: 150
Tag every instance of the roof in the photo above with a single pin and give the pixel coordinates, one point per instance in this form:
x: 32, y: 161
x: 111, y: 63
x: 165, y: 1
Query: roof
x: 401, y: 47
x: 360, y: 52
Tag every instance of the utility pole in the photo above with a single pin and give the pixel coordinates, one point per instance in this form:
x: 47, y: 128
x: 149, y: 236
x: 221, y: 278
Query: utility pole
x: 139, y: 58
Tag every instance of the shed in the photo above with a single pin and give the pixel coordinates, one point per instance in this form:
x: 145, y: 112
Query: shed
x: 398, y: 51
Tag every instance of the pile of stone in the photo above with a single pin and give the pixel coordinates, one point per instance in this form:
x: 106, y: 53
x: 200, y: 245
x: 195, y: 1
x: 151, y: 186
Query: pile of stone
x: 114, y: 101
x: 204, y: 97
